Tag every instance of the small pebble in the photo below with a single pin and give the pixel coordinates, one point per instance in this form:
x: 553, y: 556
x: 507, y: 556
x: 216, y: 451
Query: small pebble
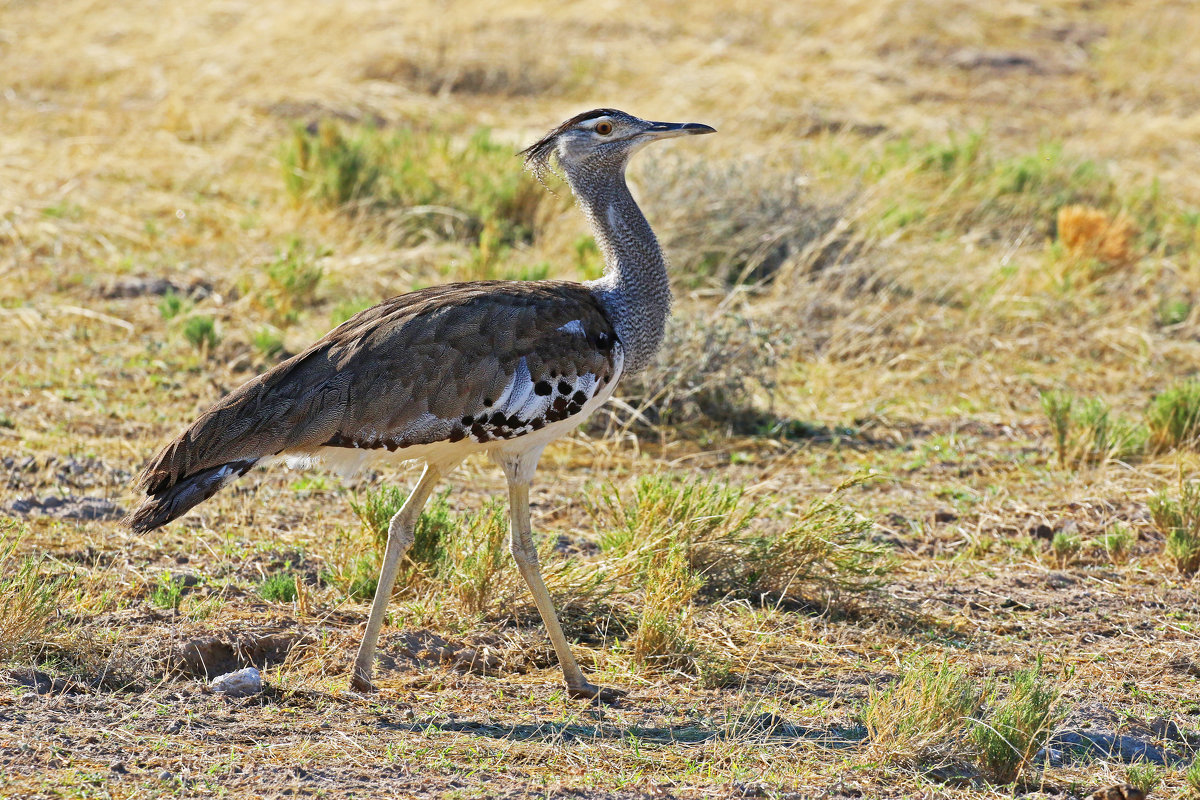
x: 165, y: 775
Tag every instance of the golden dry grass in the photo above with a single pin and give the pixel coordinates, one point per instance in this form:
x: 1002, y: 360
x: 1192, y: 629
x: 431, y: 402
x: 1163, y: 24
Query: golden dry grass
x: 1005, y: 200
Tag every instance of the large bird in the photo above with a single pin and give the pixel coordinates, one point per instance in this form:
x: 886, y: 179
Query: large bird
x: 500, y: 367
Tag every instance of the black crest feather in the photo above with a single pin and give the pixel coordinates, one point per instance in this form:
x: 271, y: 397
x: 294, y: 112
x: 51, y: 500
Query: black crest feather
x: 537, y: 155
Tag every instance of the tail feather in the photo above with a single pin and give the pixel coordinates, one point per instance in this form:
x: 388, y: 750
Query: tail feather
x: 176, y: 500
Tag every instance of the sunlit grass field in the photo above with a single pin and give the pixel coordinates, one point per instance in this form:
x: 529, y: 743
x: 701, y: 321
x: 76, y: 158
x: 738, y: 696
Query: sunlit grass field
x: 905, y: 508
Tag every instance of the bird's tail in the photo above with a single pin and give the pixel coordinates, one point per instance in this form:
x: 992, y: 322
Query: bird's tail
x: 175, y: 500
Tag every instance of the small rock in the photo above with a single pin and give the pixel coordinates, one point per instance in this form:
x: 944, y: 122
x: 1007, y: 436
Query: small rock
x: 118, y: 768
x: 165, y: 775
x: 1122, y: 791
x: 243, y: 683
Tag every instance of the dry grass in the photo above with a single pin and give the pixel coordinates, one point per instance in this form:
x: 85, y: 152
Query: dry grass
x: 918, y: 219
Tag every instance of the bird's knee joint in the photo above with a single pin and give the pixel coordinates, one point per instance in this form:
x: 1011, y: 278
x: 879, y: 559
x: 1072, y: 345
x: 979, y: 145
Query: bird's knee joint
x: 401, y: 533
x: 524, y: 556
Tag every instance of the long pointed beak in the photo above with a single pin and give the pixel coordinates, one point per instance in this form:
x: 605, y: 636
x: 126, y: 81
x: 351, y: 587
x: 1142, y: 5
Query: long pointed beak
x: 667, y: 130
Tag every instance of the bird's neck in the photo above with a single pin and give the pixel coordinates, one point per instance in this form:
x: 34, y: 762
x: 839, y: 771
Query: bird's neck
x: 634, y: 290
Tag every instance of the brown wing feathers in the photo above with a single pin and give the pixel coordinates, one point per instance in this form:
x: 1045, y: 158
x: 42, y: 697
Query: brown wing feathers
x: 418, y: 368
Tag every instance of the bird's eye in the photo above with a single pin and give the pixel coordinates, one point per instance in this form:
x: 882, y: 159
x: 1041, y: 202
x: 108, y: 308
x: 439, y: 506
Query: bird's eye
x: 603, y: 128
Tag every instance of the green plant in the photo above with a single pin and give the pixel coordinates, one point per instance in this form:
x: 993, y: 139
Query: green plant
x: 29, y: 596
x: 444, y: 186
x: 278, y: 588
x: 1118, y: 542
x: 436, y: 525
x: 268, y: 342
x: 1086, y: 432
x: 1174, y: 417
x: 1017, y: 725
x: 1178, y: 519
x: 1057, y: 405
x: 346, y: 309
x: 292, y: 280
x: 1173, y: 311
x: 1065, y: 547
x: 200, y: 331
x: 1144, y: 776
x: 1192, y: 776
x: 662, y: 638
x: 923, y: 717
x: 476, y: 559
x: 825, y: 547
x: 172, y: 305
x: 167, y: 592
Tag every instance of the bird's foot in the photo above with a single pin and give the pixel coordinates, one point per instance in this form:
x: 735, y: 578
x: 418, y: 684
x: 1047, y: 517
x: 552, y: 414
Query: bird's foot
x: 361, y: 682
x: 600, y: 694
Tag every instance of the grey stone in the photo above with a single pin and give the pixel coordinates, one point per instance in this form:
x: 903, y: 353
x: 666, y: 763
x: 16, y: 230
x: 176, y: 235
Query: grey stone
x: 1103, y: 745
x: 243, y: 683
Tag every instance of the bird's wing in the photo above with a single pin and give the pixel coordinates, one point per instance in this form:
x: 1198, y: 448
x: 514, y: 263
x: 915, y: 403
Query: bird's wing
x: 486, y: 360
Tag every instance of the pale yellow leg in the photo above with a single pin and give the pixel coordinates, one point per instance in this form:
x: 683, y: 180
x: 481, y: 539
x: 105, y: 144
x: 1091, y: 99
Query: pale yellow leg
x: 400, y: 538
x: 526, y: 556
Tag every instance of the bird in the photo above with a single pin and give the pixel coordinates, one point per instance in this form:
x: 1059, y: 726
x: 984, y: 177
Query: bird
x: 435, y: 375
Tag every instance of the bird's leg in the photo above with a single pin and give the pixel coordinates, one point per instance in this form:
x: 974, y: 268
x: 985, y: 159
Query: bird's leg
x: 400, y: 538
x: 526, y: 557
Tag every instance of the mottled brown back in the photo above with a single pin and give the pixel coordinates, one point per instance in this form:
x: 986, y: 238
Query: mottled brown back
x: 440, y: 353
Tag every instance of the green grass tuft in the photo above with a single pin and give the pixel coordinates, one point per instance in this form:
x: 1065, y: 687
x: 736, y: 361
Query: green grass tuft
x: 445, y: 187
x: 268, y: 342
x: 1174, y: 418
x: 1192, y: 776
x: 1178, y: 519
x: 1144, y: 776
x: 476, y: 562
x: 1065, y: 547
x: 923, y: 718
x: 279, y: 588
x: 172, y: 305
x: 1118, y: 542
x: 1087, y: 432
x: 30, y: 598
x: 167, y: 592
x: 292, y: 279
x: 1017, y: 726
x: 200, y: 332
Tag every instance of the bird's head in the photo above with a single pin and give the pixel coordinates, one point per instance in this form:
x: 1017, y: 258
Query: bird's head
x: 600, y: 139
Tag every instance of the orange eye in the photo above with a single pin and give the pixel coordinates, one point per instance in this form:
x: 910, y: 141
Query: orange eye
x: 604, y: 128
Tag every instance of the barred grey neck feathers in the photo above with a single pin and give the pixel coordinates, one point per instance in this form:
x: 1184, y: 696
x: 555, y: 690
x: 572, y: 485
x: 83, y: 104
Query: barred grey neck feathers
x: 635, y: 290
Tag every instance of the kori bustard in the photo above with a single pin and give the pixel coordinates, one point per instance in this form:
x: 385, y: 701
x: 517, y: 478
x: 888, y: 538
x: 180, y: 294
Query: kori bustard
x: 501, y: 367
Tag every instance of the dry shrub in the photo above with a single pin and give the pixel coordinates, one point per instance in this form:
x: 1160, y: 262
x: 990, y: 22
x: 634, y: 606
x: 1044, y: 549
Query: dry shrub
x: 737, y: 221
x: 711, y: 367
x: 496, y: 57
x: 1088, y: 232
